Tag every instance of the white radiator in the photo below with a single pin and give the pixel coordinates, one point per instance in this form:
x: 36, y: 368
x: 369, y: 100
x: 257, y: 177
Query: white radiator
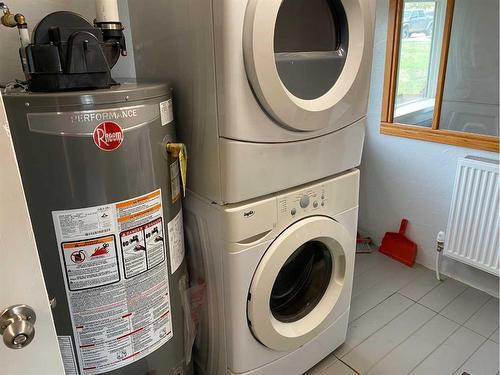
x: 473, y: 224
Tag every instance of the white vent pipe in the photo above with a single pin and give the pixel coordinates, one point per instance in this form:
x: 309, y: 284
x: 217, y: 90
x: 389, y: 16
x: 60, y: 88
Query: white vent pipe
x: 107, y: 11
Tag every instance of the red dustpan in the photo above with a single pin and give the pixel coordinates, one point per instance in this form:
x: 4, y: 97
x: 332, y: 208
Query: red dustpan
x: 398, y: 247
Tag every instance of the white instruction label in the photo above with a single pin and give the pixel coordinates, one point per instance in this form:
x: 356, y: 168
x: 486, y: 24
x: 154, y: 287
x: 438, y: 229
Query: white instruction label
x: 166, y: 112
x: 176, y: 241
x: 116, y: 277
x: 175, y: 180
x: 68, y: 355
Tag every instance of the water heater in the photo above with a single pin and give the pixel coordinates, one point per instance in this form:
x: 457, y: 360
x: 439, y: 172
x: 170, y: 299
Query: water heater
x: 104, y: 197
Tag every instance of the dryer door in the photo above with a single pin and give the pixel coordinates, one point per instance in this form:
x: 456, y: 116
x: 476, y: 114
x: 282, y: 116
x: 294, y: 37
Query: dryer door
x: 298, y: 283
x: 303, y: 56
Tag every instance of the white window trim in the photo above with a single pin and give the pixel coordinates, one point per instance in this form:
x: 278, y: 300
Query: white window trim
x: 437, y: 40
x: 426, y: 103
x: 414, y: 106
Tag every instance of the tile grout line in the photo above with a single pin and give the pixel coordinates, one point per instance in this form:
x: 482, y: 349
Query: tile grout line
x: 366, y: 270
x: 411, y: 334
x: 490, y: 337
x: 371, y: 308
x: 463, y: 324
x: 439, y: 312
x: 348, y: 365
x: 409, y: 282
x: 458, y: 295
x: 436, y: 313
x: 440, y: 283
x: 460, y: 325
x: 463, y: 363
x: 402, y: 295
x: 470, y: 329
x: 383, y: 280
x: 428, y: 355
x: 372, y: 285
x: 434, y: 287
x: 350, y: 350
x: 419, y: 275
x: 396, y: 292
x: 475, y: 312
x: 402, y: 342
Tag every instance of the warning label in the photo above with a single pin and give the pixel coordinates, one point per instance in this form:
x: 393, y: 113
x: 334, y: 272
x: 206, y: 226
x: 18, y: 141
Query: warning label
x: 91, y: 263
x: 114, y: 260
x: 142, y: 248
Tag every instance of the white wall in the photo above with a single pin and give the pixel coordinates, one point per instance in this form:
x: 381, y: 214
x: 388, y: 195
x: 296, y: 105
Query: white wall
x: 410, y: 178
x: 125, y: 68
x: 35, y: 10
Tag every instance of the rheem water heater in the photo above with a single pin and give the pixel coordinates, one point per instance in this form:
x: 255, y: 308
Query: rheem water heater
x: 104, y: 197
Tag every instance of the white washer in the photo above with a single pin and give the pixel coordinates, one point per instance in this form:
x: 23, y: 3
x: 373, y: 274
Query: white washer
x: 278, y: 272
x: 270, y: 88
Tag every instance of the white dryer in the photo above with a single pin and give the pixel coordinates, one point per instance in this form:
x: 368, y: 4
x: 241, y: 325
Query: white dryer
x: 270, y: 94
x: 278, y: 272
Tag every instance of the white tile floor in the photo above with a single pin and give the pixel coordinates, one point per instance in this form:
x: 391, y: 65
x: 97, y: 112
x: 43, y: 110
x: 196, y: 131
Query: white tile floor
x: 403, y: 321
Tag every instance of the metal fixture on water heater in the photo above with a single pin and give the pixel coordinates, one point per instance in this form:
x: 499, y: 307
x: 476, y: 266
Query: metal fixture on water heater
x: 66, y: 52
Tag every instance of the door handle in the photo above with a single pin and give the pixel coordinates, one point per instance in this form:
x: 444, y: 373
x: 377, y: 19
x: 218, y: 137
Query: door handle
x: 17, y: 326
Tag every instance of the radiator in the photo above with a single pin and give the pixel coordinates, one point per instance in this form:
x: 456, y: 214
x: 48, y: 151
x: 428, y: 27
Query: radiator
x: 473, y: 225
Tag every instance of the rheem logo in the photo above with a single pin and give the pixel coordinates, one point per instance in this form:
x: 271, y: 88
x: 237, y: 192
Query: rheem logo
x: 108, y: 136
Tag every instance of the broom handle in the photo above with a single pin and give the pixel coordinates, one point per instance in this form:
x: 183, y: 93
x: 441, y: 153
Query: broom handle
x: 402, y: 228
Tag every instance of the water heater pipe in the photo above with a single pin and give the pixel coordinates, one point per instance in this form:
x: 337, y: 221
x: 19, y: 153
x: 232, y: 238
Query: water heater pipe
x: 108, y: 20
x: 17, y: 20
x: 107, y: 11
x: 439, y: 249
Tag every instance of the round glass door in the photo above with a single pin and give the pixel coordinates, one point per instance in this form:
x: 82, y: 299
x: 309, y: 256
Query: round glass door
x: 310, y: 45
x: 303, y: 58
x: 302, y: 282
x: 298, y: 283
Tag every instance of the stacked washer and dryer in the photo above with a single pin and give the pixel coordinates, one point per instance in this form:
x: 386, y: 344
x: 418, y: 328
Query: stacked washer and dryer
x: 271, y: 101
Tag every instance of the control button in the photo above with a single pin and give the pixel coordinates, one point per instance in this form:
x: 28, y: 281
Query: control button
x: 304, y: 201
x: 294, y: 211
x: 315, y: 204
x: 322, y: 196
x: 322, y: 204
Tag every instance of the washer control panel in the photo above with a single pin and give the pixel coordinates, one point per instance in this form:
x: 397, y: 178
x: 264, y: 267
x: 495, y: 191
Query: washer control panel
x: 302, y: 203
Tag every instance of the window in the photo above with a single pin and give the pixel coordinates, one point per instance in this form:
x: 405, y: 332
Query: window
x: 441, y: 80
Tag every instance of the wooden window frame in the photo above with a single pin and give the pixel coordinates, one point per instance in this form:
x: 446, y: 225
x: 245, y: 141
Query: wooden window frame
x: 434, y: 134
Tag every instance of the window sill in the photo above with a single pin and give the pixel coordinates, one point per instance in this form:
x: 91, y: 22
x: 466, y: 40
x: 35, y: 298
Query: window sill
x: 477, y: 141
x: 415, y: 106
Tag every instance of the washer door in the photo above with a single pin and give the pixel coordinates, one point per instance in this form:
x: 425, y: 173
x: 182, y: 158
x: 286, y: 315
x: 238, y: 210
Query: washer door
x: 302, y: 57
x: 298, y: 283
